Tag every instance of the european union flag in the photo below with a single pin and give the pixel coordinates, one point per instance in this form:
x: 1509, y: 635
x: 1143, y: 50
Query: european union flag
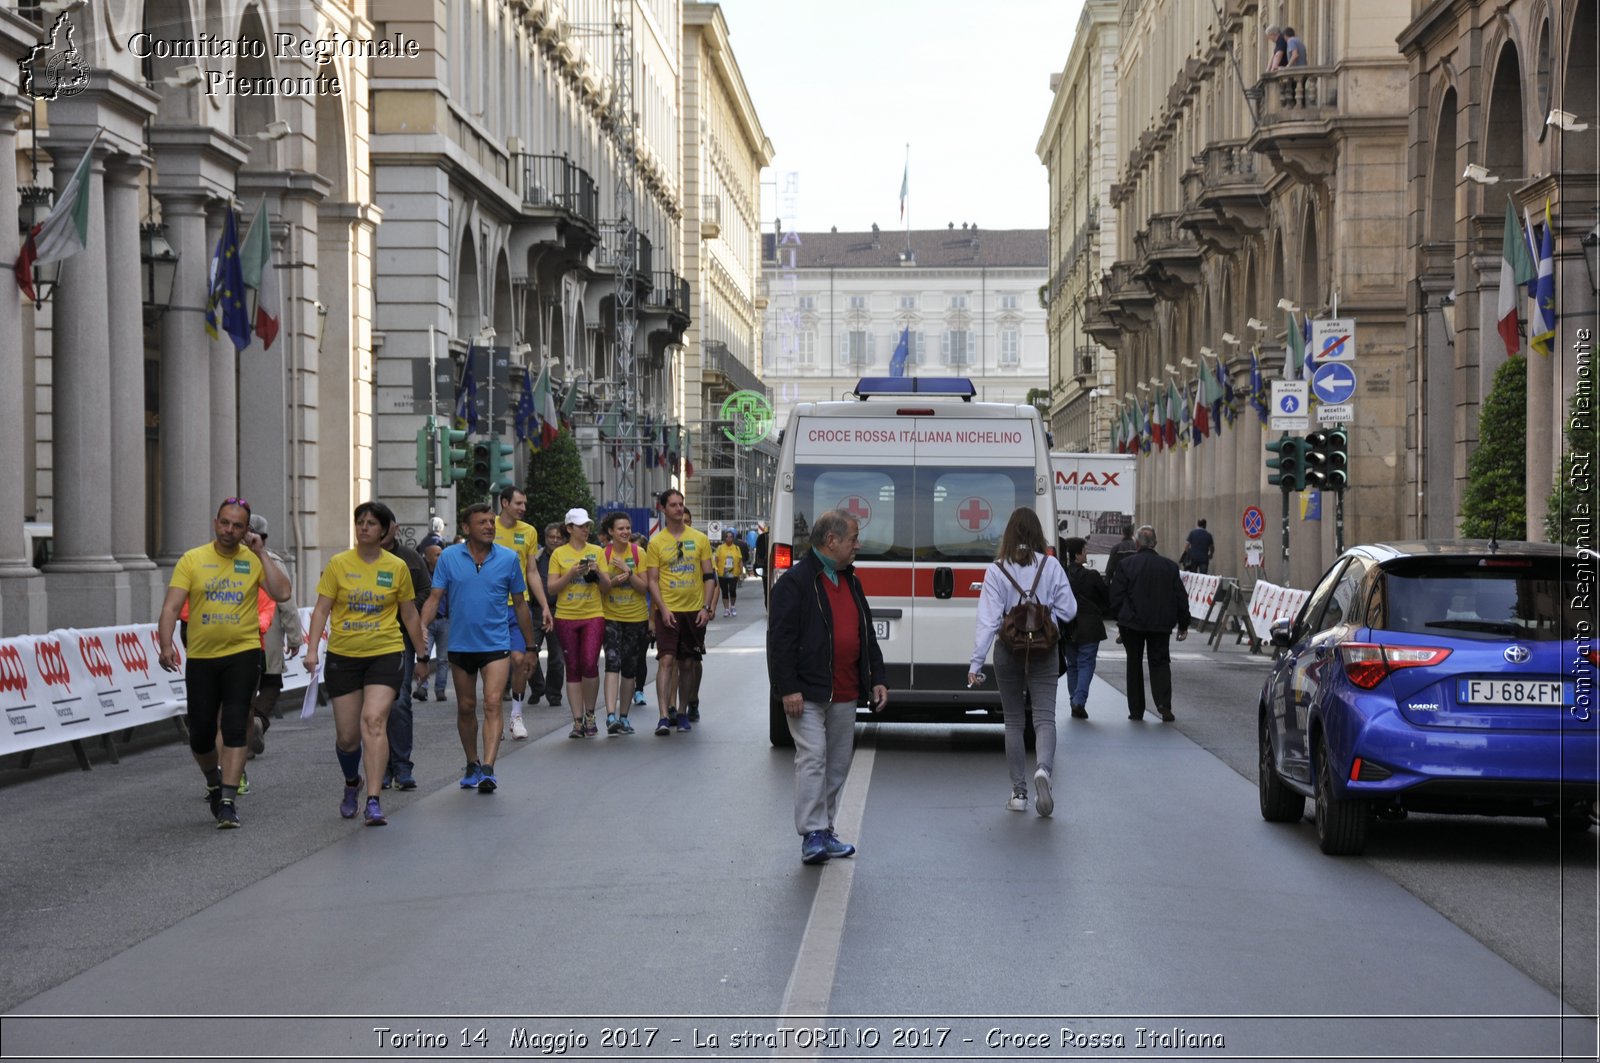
x: 902, y: 351
x: 225, y: 310
x: 467, y: 404
x: 523, y: 419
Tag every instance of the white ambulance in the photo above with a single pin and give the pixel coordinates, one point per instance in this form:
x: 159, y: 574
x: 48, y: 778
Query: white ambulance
x: 932, y: 477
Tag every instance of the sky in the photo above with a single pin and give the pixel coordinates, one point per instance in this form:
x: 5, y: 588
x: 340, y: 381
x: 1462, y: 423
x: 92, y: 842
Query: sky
x: 842, y: 86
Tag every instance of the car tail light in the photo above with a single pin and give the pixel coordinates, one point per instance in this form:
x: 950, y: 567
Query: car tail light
x: 1366, y: 771
x: 1366, y: 663
x: 782, y: 558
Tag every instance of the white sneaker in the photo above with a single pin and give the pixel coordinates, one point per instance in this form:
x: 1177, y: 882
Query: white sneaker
x: 519, y: 731
x: 1043, y: 801
x: 733, y: 612
x: 1018, y: 802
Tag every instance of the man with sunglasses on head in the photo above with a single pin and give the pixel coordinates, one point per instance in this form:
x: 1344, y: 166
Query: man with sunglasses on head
x: 220, y: 581
x: 684, y: 587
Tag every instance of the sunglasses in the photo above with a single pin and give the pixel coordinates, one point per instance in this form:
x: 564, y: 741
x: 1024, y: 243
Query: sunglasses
x: 235, y: 502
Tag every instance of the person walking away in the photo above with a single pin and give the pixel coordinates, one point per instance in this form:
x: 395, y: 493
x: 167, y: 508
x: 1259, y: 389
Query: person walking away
x: 1080, y: 641
x: 522, y: 539
x: 727, y: 561
x: 823, y: 661
x: 476, y: 577
x: 1199, y: 548
x: 1023, y: 566
x: 547, y: 681
x: 219, y: 583
x: 580, y: 626
x: 438, y: 632
x: 280, y: 642
x: 363, y: 591
x: 1148, y: 600
x: 684, y: 589
x: 1123, y: 548
x: 627, y: 618
x: 400, y: 728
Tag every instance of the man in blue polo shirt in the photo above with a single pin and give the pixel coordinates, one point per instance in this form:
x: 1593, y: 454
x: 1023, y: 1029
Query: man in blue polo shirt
x: 477, y: 577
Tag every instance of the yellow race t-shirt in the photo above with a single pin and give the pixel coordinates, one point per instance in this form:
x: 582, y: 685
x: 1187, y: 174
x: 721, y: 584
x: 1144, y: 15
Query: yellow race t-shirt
x: 223, y: 618
x: 682, y: 588
x: 581, y: 599
x: 623, y: 603
x: 366, y: 599
x: 727, y: 561
x: 522, y: 539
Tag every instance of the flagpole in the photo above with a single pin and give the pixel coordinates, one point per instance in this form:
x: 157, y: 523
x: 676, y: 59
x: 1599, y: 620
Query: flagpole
x: 433, y: 436
x: 908, y: 195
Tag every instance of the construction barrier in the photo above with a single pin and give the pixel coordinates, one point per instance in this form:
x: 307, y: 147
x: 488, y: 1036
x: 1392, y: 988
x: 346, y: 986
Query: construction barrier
x: 1269, y: 602
x: 1202, y: 591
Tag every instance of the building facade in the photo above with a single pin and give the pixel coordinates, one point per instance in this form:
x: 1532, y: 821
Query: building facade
x: 968, y: 299
x: 1079, y: 151
x: 724, y: 152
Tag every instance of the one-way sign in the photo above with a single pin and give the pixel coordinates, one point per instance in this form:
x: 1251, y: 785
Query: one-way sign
x: 1333, y: 384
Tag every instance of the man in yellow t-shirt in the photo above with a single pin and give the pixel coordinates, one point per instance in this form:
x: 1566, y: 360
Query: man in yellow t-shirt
x: 220, y: 583
x: 522, y: 539
x: 727, y: 561
x: 685, y: 592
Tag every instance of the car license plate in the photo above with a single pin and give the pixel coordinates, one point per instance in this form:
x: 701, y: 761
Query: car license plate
x: 880, y: 629
x: 1509, y: 692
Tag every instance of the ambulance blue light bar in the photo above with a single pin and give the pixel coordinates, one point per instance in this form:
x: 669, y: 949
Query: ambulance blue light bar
x: 954, y: 386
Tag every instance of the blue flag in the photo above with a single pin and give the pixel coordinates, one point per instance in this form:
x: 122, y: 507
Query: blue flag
x: 467, y: 403
x: 225, y: 310
x: 1258, y: 390
x: 523, y: 420
x: 902, y: 351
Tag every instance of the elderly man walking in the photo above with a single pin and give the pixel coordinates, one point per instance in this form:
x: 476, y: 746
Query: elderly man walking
x: 1148, y: 600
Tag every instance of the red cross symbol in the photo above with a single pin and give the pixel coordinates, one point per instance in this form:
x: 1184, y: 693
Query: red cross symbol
x: 858, y: 509
x: 974, y: 513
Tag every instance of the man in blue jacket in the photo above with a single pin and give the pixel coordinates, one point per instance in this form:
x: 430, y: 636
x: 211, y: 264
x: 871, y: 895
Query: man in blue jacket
x: 823, y: 660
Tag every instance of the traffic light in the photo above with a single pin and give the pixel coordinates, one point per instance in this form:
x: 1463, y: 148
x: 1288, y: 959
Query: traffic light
x: 454, y: 459
x: 1338, y: 451
x: 502, y: 467
x: 480, y: 472
x: 1316, y: 460
x: 1289, y: 464
x: 425, y: 456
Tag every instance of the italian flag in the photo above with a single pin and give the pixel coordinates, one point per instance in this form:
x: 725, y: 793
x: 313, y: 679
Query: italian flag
x: 1516, y: 266
x: 63, y: 232
x: 544, y: 407
x: 255, y: 263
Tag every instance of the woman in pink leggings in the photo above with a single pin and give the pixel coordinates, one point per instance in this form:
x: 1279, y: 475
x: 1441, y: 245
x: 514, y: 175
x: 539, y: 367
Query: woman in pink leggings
x: 576, y: 588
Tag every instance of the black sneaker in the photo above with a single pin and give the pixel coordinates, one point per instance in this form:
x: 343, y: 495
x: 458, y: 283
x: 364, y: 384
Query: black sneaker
x: 227, y: 816
x: 420, y: 695
x: 214, y: 797
x: 694, y: 711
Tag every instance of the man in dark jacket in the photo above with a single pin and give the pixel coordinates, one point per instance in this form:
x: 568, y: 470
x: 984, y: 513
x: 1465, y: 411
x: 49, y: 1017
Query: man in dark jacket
x: 1148, y: 599
x: 400, y: 727
x: 823, y: 660
x: 1120, y: 552
x: 1081, y: 648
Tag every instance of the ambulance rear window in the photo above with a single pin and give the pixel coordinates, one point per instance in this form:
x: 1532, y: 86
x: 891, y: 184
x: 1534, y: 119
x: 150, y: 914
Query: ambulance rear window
x: 932, y: 514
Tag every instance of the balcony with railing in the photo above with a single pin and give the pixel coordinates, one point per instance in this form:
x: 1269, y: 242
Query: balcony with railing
x: 1224, y: 196
x: 1169, y: 256
x: 721, y: 369
x: 710, y: 217
x: 555, y: 185
x: 668, y: 294
x: 1297, y: 111
x: 1127, y: 293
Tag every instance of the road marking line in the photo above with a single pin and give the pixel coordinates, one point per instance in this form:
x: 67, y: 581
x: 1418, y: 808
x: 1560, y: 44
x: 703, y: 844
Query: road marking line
x: 811, y: 981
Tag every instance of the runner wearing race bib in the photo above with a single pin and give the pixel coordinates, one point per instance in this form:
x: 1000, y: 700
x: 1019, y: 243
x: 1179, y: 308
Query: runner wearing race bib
x: 627, y: 619
x: 728, y: 564
x: 685, y: 590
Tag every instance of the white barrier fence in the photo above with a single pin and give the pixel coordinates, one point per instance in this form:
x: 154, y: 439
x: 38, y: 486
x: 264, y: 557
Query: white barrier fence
x: 1269, y: 602
x: 76, y: 683
x: 1202, y: 591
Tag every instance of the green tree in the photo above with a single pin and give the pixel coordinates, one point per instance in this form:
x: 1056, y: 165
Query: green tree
x: 556, y: 482
x: 1575, y: 502
x: 1496, y: 499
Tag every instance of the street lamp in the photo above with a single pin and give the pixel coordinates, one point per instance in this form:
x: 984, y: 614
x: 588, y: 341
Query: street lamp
x: 158, y: 262
x: 1447, y: 310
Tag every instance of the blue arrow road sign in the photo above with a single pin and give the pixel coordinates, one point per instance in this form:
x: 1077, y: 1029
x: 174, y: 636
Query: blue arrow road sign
x: 1334, y: 383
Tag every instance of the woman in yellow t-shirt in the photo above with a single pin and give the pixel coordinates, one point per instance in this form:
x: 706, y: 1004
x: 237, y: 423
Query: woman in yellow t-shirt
x: 364, y: 590
x: 577, y: 572
x: 727, y: 561
x: 627, y: 619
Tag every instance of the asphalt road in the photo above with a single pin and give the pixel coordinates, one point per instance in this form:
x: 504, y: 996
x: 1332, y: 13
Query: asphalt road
x: 654, y: 883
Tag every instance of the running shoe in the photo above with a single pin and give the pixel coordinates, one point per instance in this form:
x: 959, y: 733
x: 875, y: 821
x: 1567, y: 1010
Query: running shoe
x: 589, y: 728
x: 694, y: 711
x: 244, y: 783
x: 638, y: 697
x: 733, y: 612
x: 488, y: 784
x: 684, y: 724
x: 374, y: 814
x: 420, y: 694
x: 663, y: 726
x: 403, y: 779
x: 613, y: 723
x: 227, y: 816
x: 1019, y: 800
x: 835, y: 847
x: 258, y: 740
x: 214, y: 797
x: 1044, y: 801
x: 388, y: 779
x: 814, y: 848
x: 347, y: 807
x: 624, y: 727
x: 577, y: 729
x: 519, y: 730
x: 472, y: 776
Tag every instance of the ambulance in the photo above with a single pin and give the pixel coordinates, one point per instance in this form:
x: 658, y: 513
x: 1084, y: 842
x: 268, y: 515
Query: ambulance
x: 931, y: 476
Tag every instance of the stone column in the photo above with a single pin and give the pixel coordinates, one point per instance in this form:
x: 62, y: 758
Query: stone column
x: 83, y: 570
x: 186, y: 502
x: 127, y: 454
x: 224, y: 386
x: 22, y: 600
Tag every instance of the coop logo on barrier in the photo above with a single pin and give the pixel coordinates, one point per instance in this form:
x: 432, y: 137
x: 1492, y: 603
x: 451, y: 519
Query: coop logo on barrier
x: 130, y: 651
x: 13, y: 676
x: 93, y: 652
x: 52, y: 664
x: 177, y: 651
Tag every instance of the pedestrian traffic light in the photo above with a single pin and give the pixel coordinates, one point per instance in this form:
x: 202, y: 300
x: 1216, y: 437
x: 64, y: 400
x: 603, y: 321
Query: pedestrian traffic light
x: 454, y: 461
x: 1289, y: 463
x: 502, y: 467
x: 425, y: 456
x: 1338, y: 450
x: 480, y: 472
x: 1316, y: 460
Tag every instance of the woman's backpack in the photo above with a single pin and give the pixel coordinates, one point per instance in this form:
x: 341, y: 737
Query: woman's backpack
x: 1028, y: 625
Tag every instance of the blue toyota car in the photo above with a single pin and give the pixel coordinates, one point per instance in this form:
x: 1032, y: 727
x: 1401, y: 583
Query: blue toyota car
x: 1438, y: 676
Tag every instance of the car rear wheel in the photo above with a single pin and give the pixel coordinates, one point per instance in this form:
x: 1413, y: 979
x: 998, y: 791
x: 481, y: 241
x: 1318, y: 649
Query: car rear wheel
x: 1574, y: 822
x: 1279, y: 804
x: 778, y: 724
x: 1341, y: 823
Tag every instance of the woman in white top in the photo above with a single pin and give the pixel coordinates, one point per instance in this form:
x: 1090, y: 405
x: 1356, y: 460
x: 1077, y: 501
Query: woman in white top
x: 1021, y: 555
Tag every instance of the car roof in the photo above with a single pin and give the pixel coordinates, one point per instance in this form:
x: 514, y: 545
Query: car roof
x: 1385, y: 552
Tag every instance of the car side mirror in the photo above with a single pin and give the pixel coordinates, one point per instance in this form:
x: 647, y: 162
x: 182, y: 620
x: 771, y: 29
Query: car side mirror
x: 1282, y: 632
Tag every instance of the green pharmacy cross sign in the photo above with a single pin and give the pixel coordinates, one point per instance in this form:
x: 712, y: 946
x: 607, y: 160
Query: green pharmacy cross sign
x: 751, y: 415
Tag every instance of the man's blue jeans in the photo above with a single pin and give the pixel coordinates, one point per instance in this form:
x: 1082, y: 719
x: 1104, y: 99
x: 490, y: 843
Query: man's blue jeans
x: 1080, y: 670
x: 399, y: 728
x: 438, y: 648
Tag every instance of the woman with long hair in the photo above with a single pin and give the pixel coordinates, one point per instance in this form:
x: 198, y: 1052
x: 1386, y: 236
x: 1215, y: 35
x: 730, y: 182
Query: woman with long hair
x: 1023, y: 565
x: 576, y: 571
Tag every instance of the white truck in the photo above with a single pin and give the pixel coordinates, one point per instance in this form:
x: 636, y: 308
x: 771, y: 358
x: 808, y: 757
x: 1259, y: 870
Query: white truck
x: 1094, y: 498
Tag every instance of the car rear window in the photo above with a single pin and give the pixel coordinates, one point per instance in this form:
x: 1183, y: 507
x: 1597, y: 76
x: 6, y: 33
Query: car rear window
x: 1487, y: 598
